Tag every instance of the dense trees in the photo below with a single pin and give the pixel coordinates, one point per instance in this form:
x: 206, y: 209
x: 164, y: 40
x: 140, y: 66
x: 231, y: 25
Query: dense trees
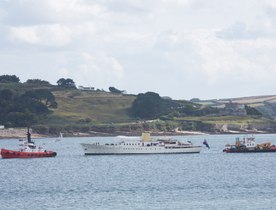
x: 66, y: 83
x: 115, y: 90
x: 9, y: 78
x: 24, y: 109
x: 252, y: 111
x: 44, y: 96
x: 22, y: 106
x: 37, y: 82
x: 151, y: 106
x: 147, y: 106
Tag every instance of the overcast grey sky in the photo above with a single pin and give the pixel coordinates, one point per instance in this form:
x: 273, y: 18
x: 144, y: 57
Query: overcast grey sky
x: 178, y: 48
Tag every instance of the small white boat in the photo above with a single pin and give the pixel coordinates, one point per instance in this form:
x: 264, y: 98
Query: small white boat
x: 144, y: 146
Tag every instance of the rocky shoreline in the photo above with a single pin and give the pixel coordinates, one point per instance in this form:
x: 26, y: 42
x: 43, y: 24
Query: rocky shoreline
x: 12, y: 133
x: 21, y: 133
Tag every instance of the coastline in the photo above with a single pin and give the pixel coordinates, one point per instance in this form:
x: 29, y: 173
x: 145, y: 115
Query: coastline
x: 13, y: 133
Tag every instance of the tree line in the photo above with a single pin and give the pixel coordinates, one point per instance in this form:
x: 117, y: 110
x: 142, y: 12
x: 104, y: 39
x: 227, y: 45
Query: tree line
x: 151, y: 106
x: 62, y: 82
x: 24, y: 109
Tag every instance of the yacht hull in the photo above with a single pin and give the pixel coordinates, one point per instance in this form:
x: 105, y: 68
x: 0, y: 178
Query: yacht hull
x: 92, y: 149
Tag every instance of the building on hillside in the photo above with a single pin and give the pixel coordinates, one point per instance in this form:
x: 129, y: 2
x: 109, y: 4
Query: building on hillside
x: 234, y: 109
x: 86, y: 88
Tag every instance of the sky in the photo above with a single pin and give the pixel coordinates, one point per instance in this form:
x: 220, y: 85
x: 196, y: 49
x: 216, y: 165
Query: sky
x: 207, y: 49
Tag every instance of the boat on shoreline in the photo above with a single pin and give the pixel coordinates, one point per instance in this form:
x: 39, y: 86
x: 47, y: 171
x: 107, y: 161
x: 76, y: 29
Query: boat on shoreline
x: 248, y: 145
x: 145, y: 145
x: 28, y: 149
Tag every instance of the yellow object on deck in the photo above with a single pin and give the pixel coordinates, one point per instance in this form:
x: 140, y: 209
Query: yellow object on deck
x: 146, y: 137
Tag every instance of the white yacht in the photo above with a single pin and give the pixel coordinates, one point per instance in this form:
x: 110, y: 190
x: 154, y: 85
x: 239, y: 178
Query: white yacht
x: 145, y: 145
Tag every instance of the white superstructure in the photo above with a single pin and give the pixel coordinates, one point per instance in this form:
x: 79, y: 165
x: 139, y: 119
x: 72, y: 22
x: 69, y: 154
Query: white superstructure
x: 144, y: 146
x: 26, y: 146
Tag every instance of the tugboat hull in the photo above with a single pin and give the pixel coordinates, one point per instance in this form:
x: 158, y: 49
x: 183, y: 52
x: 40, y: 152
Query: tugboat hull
x: 248, y: 145
x: 5, y: 153
x: 249, y: 151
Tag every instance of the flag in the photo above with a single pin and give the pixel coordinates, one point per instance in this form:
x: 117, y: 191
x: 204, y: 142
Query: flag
x: 206, y: 144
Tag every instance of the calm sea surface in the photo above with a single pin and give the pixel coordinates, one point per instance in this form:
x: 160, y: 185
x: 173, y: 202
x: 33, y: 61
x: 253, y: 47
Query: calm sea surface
x: 209, y: 180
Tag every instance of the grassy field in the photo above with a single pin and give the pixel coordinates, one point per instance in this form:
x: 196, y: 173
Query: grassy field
x: 238, y: 120
x: 253, y: 101
x: 85, y: 106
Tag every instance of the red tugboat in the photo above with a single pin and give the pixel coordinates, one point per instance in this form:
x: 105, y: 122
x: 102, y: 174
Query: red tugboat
x: 248, y: 145
x: 28, y: 150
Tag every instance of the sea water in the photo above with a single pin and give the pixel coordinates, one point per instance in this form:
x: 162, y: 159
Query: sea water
x: 71, y: 180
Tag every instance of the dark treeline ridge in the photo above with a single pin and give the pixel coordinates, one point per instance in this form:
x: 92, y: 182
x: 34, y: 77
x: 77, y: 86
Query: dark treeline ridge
x: 151, y: 106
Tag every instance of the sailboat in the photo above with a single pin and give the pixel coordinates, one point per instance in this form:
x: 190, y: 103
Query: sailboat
x: 60, y: 137
x: 28, y: 149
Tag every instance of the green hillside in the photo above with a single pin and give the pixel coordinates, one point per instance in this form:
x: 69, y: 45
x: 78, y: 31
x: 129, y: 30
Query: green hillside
x: 90, y: 106
x: 50, y: 109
